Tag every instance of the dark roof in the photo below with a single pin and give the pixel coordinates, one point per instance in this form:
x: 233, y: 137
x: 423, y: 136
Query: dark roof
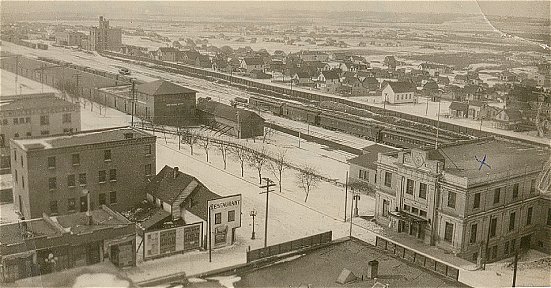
x: 301, y: 74
x: 330, y: 75
x: 226, y: 111
x: 402, y: 87
x: 254, y: 61
x: 168, y: 49
x: 370, y: 155
x: 201, y: 196
x: 167, y: 188
x: 38, y: 102
x: 87, y: 137
x: 161, y: 87
x: 12, y: 233
x: 77, y: 223
x: 459, y: 106
x: 158, y: 216
x: 514, y: 115
x: 371, y: 80
x: 431, y: 85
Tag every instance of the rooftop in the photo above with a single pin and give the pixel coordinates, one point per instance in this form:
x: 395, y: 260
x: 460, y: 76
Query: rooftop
x: 226, y: 111
x: 321, y: 267
x: 167, y: 188
x: 402, y: 87
x: 77, y: 223
x: 161, y: 87
x: 464, y: 158
x: 370, y: 155
x: 81, y: 138
x: 13, y: 233
x: 35, y: 102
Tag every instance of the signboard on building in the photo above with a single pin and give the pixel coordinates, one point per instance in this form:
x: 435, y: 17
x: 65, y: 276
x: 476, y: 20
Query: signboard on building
x: 224, y: 217
x: 172, y: 240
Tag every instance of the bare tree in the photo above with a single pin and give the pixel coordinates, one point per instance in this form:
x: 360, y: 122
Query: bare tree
x: 307, y: 178
x: 224, y: 150
x: 278, y: 165
x: 241, y: 154
x: 364, y: 187
x: 206, y: 143
x: 257, y: 159
x: 190, y: 137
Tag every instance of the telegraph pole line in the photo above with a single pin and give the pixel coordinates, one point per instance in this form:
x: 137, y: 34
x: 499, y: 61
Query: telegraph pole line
x: 345, y: 195
x: 269, y: 184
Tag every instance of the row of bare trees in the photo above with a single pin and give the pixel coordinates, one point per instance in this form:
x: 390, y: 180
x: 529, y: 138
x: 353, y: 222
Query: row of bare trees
x: 307, y: 177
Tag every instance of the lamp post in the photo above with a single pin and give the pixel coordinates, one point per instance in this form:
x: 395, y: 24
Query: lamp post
x: 356, y: 197
x: 253, y: 214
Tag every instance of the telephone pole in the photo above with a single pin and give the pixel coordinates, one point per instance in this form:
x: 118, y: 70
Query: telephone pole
x: 269, y: 184
x: 133, y: 105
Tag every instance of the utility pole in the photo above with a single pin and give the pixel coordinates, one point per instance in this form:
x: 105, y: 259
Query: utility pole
x: 210, y: 237
x: 351, y: 217
x: 515, y: 269
x: 132, y: 108
x: 269, y: 184
x: 345, y: 195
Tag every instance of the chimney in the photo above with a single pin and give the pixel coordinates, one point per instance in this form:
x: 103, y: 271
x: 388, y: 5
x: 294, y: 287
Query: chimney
x: 175, y: 172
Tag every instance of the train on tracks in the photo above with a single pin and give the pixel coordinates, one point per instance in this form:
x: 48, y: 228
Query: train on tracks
x: 398, y: 135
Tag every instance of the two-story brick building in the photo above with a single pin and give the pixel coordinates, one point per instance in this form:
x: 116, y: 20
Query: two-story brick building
x: 23, y: 116
x: 474, y: 198
x: 53, y: 174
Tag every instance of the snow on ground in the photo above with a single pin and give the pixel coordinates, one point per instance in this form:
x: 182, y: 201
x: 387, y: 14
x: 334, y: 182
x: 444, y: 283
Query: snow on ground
x: 12, y: 86
x: 100, y: 280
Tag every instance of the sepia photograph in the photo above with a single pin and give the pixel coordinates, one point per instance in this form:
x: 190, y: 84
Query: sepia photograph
x: 285, y: 144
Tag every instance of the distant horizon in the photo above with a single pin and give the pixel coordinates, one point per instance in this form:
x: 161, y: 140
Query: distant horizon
x: 43, y: 10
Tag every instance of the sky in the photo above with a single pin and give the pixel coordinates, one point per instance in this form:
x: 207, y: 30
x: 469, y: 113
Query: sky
x: 113, y: 9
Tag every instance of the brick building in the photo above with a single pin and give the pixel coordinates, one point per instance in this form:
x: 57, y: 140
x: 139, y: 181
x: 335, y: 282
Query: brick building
x: 104, y: 37
x: 459, y: 195
x: 49, y: 244
x: 51, y: 174
x: 24, y: 116
x: 230, y: 120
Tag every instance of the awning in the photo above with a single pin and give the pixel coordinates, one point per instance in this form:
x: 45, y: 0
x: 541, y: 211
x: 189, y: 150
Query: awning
x: 407, y: 217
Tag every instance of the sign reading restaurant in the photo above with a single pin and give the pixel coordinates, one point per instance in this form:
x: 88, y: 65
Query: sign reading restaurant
x: 224, y: 218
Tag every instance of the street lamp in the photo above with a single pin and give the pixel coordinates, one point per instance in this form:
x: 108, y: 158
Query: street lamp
x: 356, y: 197
x: 253, y: 214
x: 52, y: 261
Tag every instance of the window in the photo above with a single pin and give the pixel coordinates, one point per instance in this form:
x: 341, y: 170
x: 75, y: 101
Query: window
x: 44, y: 120
x: 102, y: 176
x: 5, y: 122
x: 44, y: 132
x: 52, y: 183
x: 423, y: 191
x: 515, y: 190
x: 406, y: 207
x: 147, y: 169
x: 409, y: 186
x: 51, y: 162
x: 529, y: 216
x: 15, y: 155
x: 28, y: 120
x: 451, y: 199
x: 113, y: 175
x: 148, y: 149
x: 388, y: 179
x: 28, y: 134
x: 23, y: 181
x: 82, y: 179
x: 493, y: 227
x: 385, y: 208
x: 497, y: 195
x: 217, y: 218
x: 414, y: 210
x: 231, y: 216
x: 102, y: 199
x: 71, y: 182
x: 448, y: 232
x: 113, y: 197
x: 532, y: 186
x: 15, y: 121
x: 512, y: 221
x: 66, y: 118
x: 474, y: 229
x: 107, y: 155
x: 548, y: 216
x: 53, y: 207
x: 16, y: 135
x: 2, y: 140
x: 423, y: 213
x: 75, y: 159
x: 71, y: 204
x: 476, y: 203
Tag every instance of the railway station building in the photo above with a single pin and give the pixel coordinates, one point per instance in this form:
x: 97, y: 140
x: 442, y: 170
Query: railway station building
x: 230, y: 120
x: 61, y: 175
x: 476, y: 198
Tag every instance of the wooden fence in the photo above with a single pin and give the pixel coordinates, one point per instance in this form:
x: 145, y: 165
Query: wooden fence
x: 294, y: 245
